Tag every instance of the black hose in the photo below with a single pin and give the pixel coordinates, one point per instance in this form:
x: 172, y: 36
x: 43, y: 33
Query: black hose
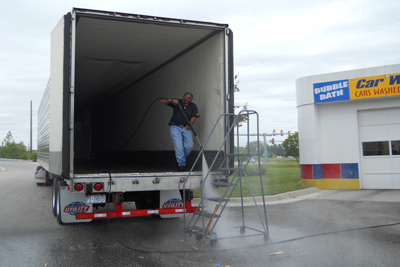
x: 229, y: 249
x: 192, y: 251
x: 140, y: 124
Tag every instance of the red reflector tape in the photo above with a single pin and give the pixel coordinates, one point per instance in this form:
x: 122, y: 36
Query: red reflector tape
x: 130, y: 213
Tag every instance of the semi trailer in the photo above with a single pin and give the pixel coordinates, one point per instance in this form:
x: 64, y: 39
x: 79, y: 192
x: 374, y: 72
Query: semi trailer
x: 103, y: 135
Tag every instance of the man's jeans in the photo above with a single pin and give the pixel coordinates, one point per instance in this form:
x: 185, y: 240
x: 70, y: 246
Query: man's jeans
x: 183, y: 143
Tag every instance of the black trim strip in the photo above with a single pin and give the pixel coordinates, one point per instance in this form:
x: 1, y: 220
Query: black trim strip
x: 231, y: 89
x: 146, y: 18
x: 66, y: 98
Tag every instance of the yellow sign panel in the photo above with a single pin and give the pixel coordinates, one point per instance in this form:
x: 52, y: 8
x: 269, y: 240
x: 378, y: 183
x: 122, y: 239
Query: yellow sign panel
x: 374, y: 86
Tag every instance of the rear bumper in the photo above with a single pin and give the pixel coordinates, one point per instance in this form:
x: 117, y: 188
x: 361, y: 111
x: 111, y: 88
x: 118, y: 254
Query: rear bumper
x: 139, y: 182
x: 132, y: 213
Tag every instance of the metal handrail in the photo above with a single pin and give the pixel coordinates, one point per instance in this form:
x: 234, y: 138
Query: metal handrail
x: 205, y: 177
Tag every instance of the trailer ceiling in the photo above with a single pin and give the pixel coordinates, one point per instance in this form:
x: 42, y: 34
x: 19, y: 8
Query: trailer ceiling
x: 113, y: 54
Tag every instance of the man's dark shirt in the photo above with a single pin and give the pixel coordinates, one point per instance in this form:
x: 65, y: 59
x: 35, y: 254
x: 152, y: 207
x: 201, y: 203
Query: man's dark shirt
x: 177, y: 116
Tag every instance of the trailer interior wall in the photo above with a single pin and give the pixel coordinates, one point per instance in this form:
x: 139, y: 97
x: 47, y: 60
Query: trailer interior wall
x: 118, y: 76
x: 200, y: 71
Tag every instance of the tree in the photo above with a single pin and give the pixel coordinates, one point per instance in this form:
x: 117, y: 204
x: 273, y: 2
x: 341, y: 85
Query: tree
x: 11, y: 150
x: 8, y: 139
x: 291, y: 146
x: 242, y: 118
x: 275, y: 149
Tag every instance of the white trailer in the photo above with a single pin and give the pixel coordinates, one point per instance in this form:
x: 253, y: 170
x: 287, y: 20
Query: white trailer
x: 106, y: 69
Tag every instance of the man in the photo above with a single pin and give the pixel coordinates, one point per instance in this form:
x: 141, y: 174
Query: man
x: 179, y: 127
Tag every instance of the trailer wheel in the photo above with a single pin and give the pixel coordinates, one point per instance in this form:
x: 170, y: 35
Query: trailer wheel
x: 242, y: 231
x: 199, y: 237
x: 54, y: 197
x: 58, y: 205
x: 266, y: 238
x: 51, y: 179
x: 213, y: 243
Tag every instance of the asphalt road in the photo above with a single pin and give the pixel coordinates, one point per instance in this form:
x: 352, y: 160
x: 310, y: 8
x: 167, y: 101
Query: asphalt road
x: 330, y: 228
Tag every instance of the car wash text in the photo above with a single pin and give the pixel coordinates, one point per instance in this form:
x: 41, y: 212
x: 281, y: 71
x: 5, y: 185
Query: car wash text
x: 358, y: 88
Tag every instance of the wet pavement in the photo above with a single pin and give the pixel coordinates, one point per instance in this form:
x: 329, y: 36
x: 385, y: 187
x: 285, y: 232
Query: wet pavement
x: 325, y: 228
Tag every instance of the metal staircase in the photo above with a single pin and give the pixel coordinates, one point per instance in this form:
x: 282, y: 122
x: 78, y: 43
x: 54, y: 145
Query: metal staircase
x: 229, y: 176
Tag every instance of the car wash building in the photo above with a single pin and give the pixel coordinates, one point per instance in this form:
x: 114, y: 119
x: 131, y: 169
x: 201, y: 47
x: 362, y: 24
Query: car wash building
x: 349, y: 129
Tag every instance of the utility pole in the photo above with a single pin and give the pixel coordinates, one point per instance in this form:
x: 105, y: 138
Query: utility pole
x: 30, y: 143
x: 265, y: 148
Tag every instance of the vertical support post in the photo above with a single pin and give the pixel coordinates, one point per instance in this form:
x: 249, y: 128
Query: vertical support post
x: 265, y: 149
x: 187, y: 203
x: 30, y: 142
x: 117, y: 203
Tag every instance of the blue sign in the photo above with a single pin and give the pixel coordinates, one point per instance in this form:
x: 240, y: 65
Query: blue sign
x: 331, y: 91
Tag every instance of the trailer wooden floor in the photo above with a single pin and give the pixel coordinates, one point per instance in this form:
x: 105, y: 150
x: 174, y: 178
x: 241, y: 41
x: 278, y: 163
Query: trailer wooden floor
x: 137, y: 162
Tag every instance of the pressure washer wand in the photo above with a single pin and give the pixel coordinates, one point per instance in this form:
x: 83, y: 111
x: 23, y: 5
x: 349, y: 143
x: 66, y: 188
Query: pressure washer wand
x: 191, y: 127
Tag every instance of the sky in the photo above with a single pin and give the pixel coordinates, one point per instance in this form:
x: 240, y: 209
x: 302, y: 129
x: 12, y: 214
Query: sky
x: 275, y: 43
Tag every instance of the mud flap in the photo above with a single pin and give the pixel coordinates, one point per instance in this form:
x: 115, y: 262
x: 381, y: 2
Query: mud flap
x: 72, y: 204
x: 171, y: 199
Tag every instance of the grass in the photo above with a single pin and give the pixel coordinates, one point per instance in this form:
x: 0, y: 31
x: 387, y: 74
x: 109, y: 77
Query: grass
x: 279, y: 176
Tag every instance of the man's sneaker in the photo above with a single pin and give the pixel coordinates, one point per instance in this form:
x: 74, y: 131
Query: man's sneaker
x: 181, y: 168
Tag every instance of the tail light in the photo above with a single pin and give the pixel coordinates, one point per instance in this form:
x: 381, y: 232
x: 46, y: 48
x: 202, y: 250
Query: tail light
x: 78, y: 187
x: 98, y: 186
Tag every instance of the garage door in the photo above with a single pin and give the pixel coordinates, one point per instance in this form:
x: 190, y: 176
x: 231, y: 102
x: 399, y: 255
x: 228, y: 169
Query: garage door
x: 379, y: 131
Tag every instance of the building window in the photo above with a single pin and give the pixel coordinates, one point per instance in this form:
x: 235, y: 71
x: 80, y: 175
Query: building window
x: 378, y: 148
x: 395, y: 147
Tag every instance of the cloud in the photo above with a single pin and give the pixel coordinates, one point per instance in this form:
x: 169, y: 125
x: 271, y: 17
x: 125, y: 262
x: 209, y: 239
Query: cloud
x: 275, y: 42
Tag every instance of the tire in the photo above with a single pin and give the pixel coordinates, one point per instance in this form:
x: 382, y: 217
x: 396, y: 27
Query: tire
x: 199, y: 238
x: 54, y: 198
x: 242, y: 231
x: 51, y: 180
x: 266, y: 238
x: 40, y: 184
x: 58, y: 205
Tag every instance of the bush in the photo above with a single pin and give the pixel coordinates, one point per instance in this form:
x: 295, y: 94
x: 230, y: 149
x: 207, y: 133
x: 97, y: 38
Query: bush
x: 34, y: 156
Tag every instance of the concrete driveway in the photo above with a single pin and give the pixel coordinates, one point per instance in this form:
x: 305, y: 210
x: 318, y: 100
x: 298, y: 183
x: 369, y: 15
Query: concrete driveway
x: 320, y: 228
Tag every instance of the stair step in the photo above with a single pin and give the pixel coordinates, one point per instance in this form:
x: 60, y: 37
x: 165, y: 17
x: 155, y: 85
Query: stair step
x: 194, y: 229
x: 208, y: 215
x: 222, y: 184
x: 218, y: 199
